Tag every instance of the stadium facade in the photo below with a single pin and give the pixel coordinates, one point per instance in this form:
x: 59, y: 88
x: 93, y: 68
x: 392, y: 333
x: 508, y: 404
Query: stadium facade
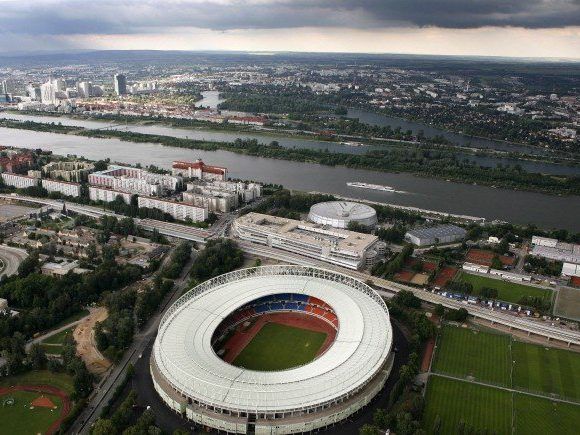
x: 195, y: 382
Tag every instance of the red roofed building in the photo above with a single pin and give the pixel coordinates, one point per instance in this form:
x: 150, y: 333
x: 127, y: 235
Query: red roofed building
x: 200, y: 170
x: 17, y: 163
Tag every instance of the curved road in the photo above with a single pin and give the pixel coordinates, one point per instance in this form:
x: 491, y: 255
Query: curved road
x: 11, y: 259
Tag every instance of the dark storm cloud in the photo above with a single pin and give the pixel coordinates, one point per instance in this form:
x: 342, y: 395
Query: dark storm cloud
x: 66, y: 17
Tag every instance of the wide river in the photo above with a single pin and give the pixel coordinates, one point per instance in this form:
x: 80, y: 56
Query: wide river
x: 516, y: 206
x: 288, y: 142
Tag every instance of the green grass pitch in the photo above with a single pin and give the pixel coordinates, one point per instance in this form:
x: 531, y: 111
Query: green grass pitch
x: 479, y: 407
x: 280, y: 347
x: 463, y: 352
x: 507, y: 291
x: 542, y: 416
x: 547, y: 370
x: 20, y: 419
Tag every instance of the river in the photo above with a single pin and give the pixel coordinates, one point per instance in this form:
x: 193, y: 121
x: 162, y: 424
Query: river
x: 288, y: 142
x: 515, y: 206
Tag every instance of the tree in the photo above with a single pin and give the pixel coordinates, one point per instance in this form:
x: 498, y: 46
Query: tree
x: 496, y: 263
x: 439, y: 310
x: 103, y: 427
x: 368, y: 429
x: 37, y: 357
x: 29, y: 265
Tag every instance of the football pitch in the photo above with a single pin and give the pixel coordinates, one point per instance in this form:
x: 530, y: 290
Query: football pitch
x: 280, y: 347
x: 452, y: 405
x: 498, y: 360
x: 506, y: 291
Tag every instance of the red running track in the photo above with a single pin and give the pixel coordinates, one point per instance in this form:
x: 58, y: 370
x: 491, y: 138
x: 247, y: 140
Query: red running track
x: 44, y: 389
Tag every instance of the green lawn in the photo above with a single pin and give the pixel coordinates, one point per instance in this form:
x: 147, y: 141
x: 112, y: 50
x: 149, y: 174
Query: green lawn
x: 279, y: 347
x: 20, y: 419
x: 481, y: 407
x: 40, y: 377
x: 542, y: 416
x: 59, y: 338
x: 548, y: 370
x: 477, y: 406
x: 507, y: 291
x: 467, y: 353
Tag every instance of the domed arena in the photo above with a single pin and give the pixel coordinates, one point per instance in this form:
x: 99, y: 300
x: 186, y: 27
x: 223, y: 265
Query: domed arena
x: 273, y: 349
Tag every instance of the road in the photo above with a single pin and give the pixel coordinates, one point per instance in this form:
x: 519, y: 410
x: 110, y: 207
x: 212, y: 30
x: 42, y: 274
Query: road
x: 195, y: 234
x: 10, y: 258
x: 144, y: 338
x: 49, y: 334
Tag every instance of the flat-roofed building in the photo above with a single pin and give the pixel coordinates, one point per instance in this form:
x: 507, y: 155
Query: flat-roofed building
x: 179, y: 210
x: 214, y: 201
x: 63, y: 187
x: 552, y: 249
x: 134, y: 180
x: 108, y: 195
x: 74, y: 171
x: 570, y: 269
x: 337, y: 246
x: 19, y: 181
x: 436, y: 235
x: 246, y: 191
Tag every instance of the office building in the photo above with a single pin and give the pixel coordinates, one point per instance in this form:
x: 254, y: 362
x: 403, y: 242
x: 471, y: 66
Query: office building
x: 120, y: 83
x: 336, y: 246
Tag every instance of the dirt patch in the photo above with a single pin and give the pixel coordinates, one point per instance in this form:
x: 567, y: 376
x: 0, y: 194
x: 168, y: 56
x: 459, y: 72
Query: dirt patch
x: 43, y: 402
x: 484, y: 257
x: 84, y: 336
x: 445, y: 275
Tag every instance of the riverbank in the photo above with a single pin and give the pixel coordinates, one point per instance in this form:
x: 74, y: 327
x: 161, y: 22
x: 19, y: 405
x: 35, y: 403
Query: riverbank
x: 418, y: 160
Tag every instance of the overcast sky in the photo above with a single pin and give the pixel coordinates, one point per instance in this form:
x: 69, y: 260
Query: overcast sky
x: 528, y: 28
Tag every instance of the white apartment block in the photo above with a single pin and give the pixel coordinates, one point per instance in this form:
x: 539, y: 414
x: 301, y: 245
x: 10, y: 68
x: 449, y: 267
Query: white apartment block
x: 220, y: 202
x: 64, y: 187
x: 246, y: 192
x: 108, y: 195
x: 134, y: 180
x: 336, y: 246
x: 19, y: 181
x: 179, y: 210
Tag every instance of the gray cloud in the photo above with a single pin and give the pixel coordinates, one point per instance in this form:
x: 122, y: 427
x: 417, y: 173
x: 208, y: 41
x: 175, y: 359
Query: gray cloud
x: 70, y: 17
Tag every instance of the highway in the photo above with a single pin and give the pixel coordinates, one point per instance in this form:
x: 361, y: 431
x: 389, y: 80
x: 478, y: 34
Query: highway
x: 186, y: 232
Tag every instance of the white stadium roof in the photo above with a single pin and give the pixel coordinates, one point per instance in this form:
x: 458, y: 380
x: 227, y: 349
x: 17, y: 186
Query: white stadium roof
x: 184, y: 355
x: 340, y: 213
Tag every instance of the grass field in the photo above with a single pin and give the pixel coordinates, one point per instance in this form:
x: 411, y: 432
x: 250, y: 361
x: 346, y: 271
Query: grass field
x: 548, y: 370
x: 490, y: 408
x: 542, y: 416
x: 279, y: 347
x: 507, y: 291
x: 463, y: 352
x: 568, y: 303
x: 477, y: 406
x: 20, y: 419
x: 53, y: 344
x: 40, y: 377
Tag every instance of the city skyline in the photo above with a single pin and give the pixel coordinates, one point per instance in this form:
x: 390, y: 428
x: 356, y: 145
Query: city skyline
x: 443, y: 27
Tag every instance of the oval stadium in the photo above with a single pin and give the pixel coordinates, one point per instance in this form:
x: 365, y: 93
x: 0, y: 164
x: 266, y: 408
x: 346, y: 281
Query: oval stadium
x: 339, y: 214
x: 273, y: 349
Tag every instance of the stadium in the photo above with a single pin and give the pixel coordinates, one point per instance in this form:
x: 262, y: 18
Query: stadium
x: 340, y: 214
x: 273, y: 349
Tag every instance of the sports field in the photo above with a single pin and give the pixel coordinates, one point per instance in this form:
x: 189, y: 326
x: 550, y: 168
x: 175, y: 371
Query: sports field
x: 479, y: 407
x: 568, y: 303
x: 19, y: 418
x: 280, y: 347
x: 500, y: 361
x: 478, y: 355
x: 547, y: 370
x: 507, y: 291
x: 452, y: 402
